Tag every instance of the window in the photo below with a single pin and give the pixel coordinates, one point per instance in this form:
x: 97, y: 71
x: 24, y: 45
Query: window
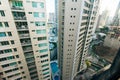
x: 9, y: 33
x: 2, y: 13
x: 7, y: 58
x: 10, y: 57
x: 19, y: 62
x: 41, y: 5
x: 36, y: 14
x: 1, y: 52
x: 17, y: 4
x: 30, y: 12
x: 7, y: 50
x: 42, y: 56
x: 34, y: 4
x: 12, y: 42
x: 44, y: 60
x: 45, y: 65
x: 42, y: 44
x: 45, y: 69
x: 15, y: 49
x: 41, y: 31
x: 43, y: 50
x: 46, y: 76
x: 6, y: 24
x: 2, y: 34
x: 1, y: 24
x: 21, y: 67
x: 42, y: 15
x: 39, y: 23
x: 17, y: 56
x: 4, y: 43
x: 45, y: 73
x: 71, y: 8
x: 41, y: 38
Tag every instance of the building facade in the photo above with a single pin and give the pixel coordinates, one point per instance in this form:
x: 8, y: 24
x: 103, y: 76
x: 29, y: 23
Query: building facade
x: 24, y: 53
x: 77, y: 18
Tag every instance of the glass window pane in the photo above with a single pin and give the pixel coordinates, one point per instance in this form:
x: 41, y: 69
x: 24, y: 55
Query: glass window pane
x: 41, y: 31
x: 2, y: 34
x: 42, y: 44
x: 2, y: 13
x: 41, y: 5
x: 43, y: 50
x: 34, y: 4
x: 6, y: 24
x: 36, y: 14
x: 39, y: 23
x: 42, y: 15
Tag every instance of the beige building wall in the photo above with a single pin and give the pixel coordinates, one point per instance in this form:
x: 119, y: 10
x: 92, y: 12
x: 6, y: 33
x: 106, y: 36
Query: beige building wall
x: 29, y: 62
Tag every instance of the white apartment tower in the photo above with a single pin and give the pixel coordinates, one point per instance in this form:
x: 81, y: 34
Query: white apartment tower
x: 24, y: 53
x: 77, y: 19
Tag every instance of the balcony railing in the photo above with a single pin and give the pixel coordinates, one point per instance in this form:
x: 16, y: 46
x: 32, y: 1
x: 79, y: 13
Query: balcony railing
x: 24, y: 27
x: 20, y: 18
x: 26, y: 43
x: 27, y: 49
x: 17, y: 8
x: 24, y: 35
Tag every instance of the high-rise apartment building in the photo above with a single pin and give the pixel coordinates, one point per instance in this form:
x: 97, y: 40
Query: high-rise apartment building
x: 77, y: 18
x: 24, y: 53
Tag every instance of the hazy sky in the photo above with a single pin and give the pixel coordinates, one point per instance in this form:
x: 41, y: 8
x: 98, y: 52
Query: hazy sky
x: 105, y: 4
x: 110, y: 5
x: 50, y: 5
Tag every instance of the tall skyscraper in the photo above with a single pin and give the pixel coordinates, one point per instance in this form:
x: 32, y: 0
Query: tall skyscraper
x: 24, y: 53
x: 76, y: 22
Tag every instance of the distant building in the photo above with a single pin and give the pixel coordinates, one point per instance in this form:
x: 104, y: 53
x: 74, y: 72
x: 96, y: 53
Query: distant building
x: 104, y: 18
x: 116, y: 19
x: 51, y: 18
x: 56, y: 13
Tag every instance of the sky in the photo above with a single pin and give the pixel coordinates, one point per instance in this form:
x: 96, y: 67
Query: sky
x: 50, y: 4
x: 105, y: 4
x: 110, y: 5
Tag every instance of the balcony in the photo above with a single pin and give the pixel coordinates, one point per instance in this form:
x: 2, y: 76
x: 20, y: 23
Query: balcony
x: 21, y: 28
x: 24, y: 36
x: 17, y: 8
x: 16, y: 5
x: 30, y: 61
x: 29, y: 55
x: 26, y: 43
x: 27, y: 48
x: 19, y: 15
x: 19, y: 18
